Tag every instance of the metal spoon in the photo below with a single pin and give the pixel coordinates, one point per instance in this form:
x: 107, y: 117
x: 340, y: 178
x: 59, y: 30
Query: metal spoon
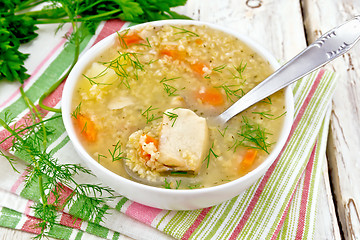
x: 329, y: 46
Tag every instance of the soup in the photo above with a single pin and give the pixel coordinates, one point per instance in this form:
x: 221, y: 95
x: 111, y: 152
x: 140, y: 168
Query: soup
x: 144, y: 107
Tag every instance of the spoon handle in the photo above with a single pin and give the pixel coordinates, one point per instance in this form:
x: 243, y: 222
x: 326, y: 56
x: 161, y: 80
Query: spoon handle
x: 329, y: 46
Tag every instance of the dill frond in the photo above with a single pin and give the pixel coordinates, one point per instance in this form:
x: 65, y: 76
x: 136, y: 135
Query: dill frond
x: 233, y: 92
x: 252, y: 135
x: 29, y: 142
x: 116, y: 154
x: 268, y: 115
x: 211, y: 152
x: 172, y: 116
x: 185, y: 31
x: 149, y: 116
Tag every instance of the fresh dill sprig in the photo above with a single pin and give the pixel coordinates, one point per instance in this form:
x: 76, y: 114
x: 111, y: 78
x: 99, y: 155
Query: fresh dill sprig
x: 147, y: 44
x: 149, y: 116
x: 232, y: 91
x: 266, y: 100
x: 170, y: 185
x: 76, y: 112
x: 92, y: 79
x: 170, y: 90
x: 152, y: 61
x: 239, y: 71
x: 252, y: 135
x: 126, y: 66
x: 178, y: 183
x: 223, y: 133
x: 185, y: 31
x: 195, y: 186
x: 8, y: 118
x: 116, y: 154
x: 29, y: 141
x: 268, y: 115
x: 167, y: 184
x: 219, y: 68
x: 121, y: 36
x: 211, y: 152
x: 172, y: 116
x: 11, y: 160
x: 100, y: 156
x: 84, y: 129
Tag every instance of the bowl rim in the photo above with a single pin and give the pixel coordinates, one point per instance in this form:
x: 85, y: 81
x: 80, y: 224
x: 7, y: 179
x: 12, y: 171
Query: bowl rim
x: 87, y: 57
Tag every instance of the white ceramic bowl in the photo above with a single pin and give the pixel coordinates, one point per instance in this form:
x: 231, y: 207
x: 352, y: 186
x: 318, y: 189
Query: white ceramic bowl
x: 170, y: 198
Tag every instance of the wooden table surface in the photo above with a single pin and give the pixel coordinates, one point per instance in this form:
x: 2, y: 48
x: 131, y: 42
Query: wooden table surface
x: 285, y: 27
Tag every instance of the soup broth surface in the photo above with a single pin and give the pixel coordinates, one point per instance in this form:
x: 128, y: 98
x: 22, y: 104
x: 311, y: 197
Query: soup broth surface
x: 152, y: 75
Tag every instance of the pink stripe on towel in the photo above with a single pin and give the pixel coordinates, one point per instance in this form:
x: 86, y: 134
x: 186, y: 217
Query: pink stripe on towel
x: 142, y: 213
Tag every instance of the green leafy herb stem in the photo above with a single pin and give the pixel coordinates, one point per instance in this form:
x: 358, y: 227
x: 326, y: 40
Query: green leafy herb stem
x: 252, y: 135
x: 148, y: 114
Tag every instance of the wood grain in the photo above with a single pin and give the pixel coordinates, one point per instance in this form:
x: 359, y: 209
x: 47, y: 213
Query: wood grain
x: 344, y: 139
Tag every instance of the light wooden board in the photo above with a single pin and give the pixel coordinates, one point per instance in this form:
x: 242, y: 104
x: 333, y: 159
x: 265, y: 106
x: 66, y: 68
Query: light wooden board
x: 344, y: 139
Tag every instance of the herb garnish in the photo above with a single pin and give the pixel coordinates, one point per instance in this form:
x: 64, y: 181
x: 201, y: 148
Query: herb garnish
x: 239, y: 71
x: 76, y: 112
x: 268, y: 115
x: 178, y: 182
x: 167, y: 184
x: 194, y: 186
x: 266, y: 100
x: 116, y: 154
x: 147, y: 43
x: 30, y: 142
x: 172, y: 116
x: 170, y: 90
x: 211, y: 152
x: 223, y: 133
x: 92, y: 79
x: 121, y: 66
x: 252, y: 135
x: 148, y: 115
x: 232, y: 91
x: 185, y: 31
x: 100, y: 156
x: 219, y: 68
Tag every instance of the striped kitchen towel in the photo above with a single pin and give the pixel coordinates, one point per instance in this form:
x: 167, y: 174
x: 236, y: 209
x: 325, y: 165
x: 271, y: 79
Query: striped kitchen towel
x: 282, y: 204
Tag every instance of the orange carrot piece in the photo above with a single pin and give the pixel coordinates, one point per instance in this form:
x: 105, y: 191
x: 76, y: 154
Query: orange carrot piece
x: 211, y: 96
x: 87, y: 127
x: 248, y: 159
x: 175, y: 54
x: 148, y: 139
x: 199, y: 67
x: 199, y: 41
x: 130, y: 39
